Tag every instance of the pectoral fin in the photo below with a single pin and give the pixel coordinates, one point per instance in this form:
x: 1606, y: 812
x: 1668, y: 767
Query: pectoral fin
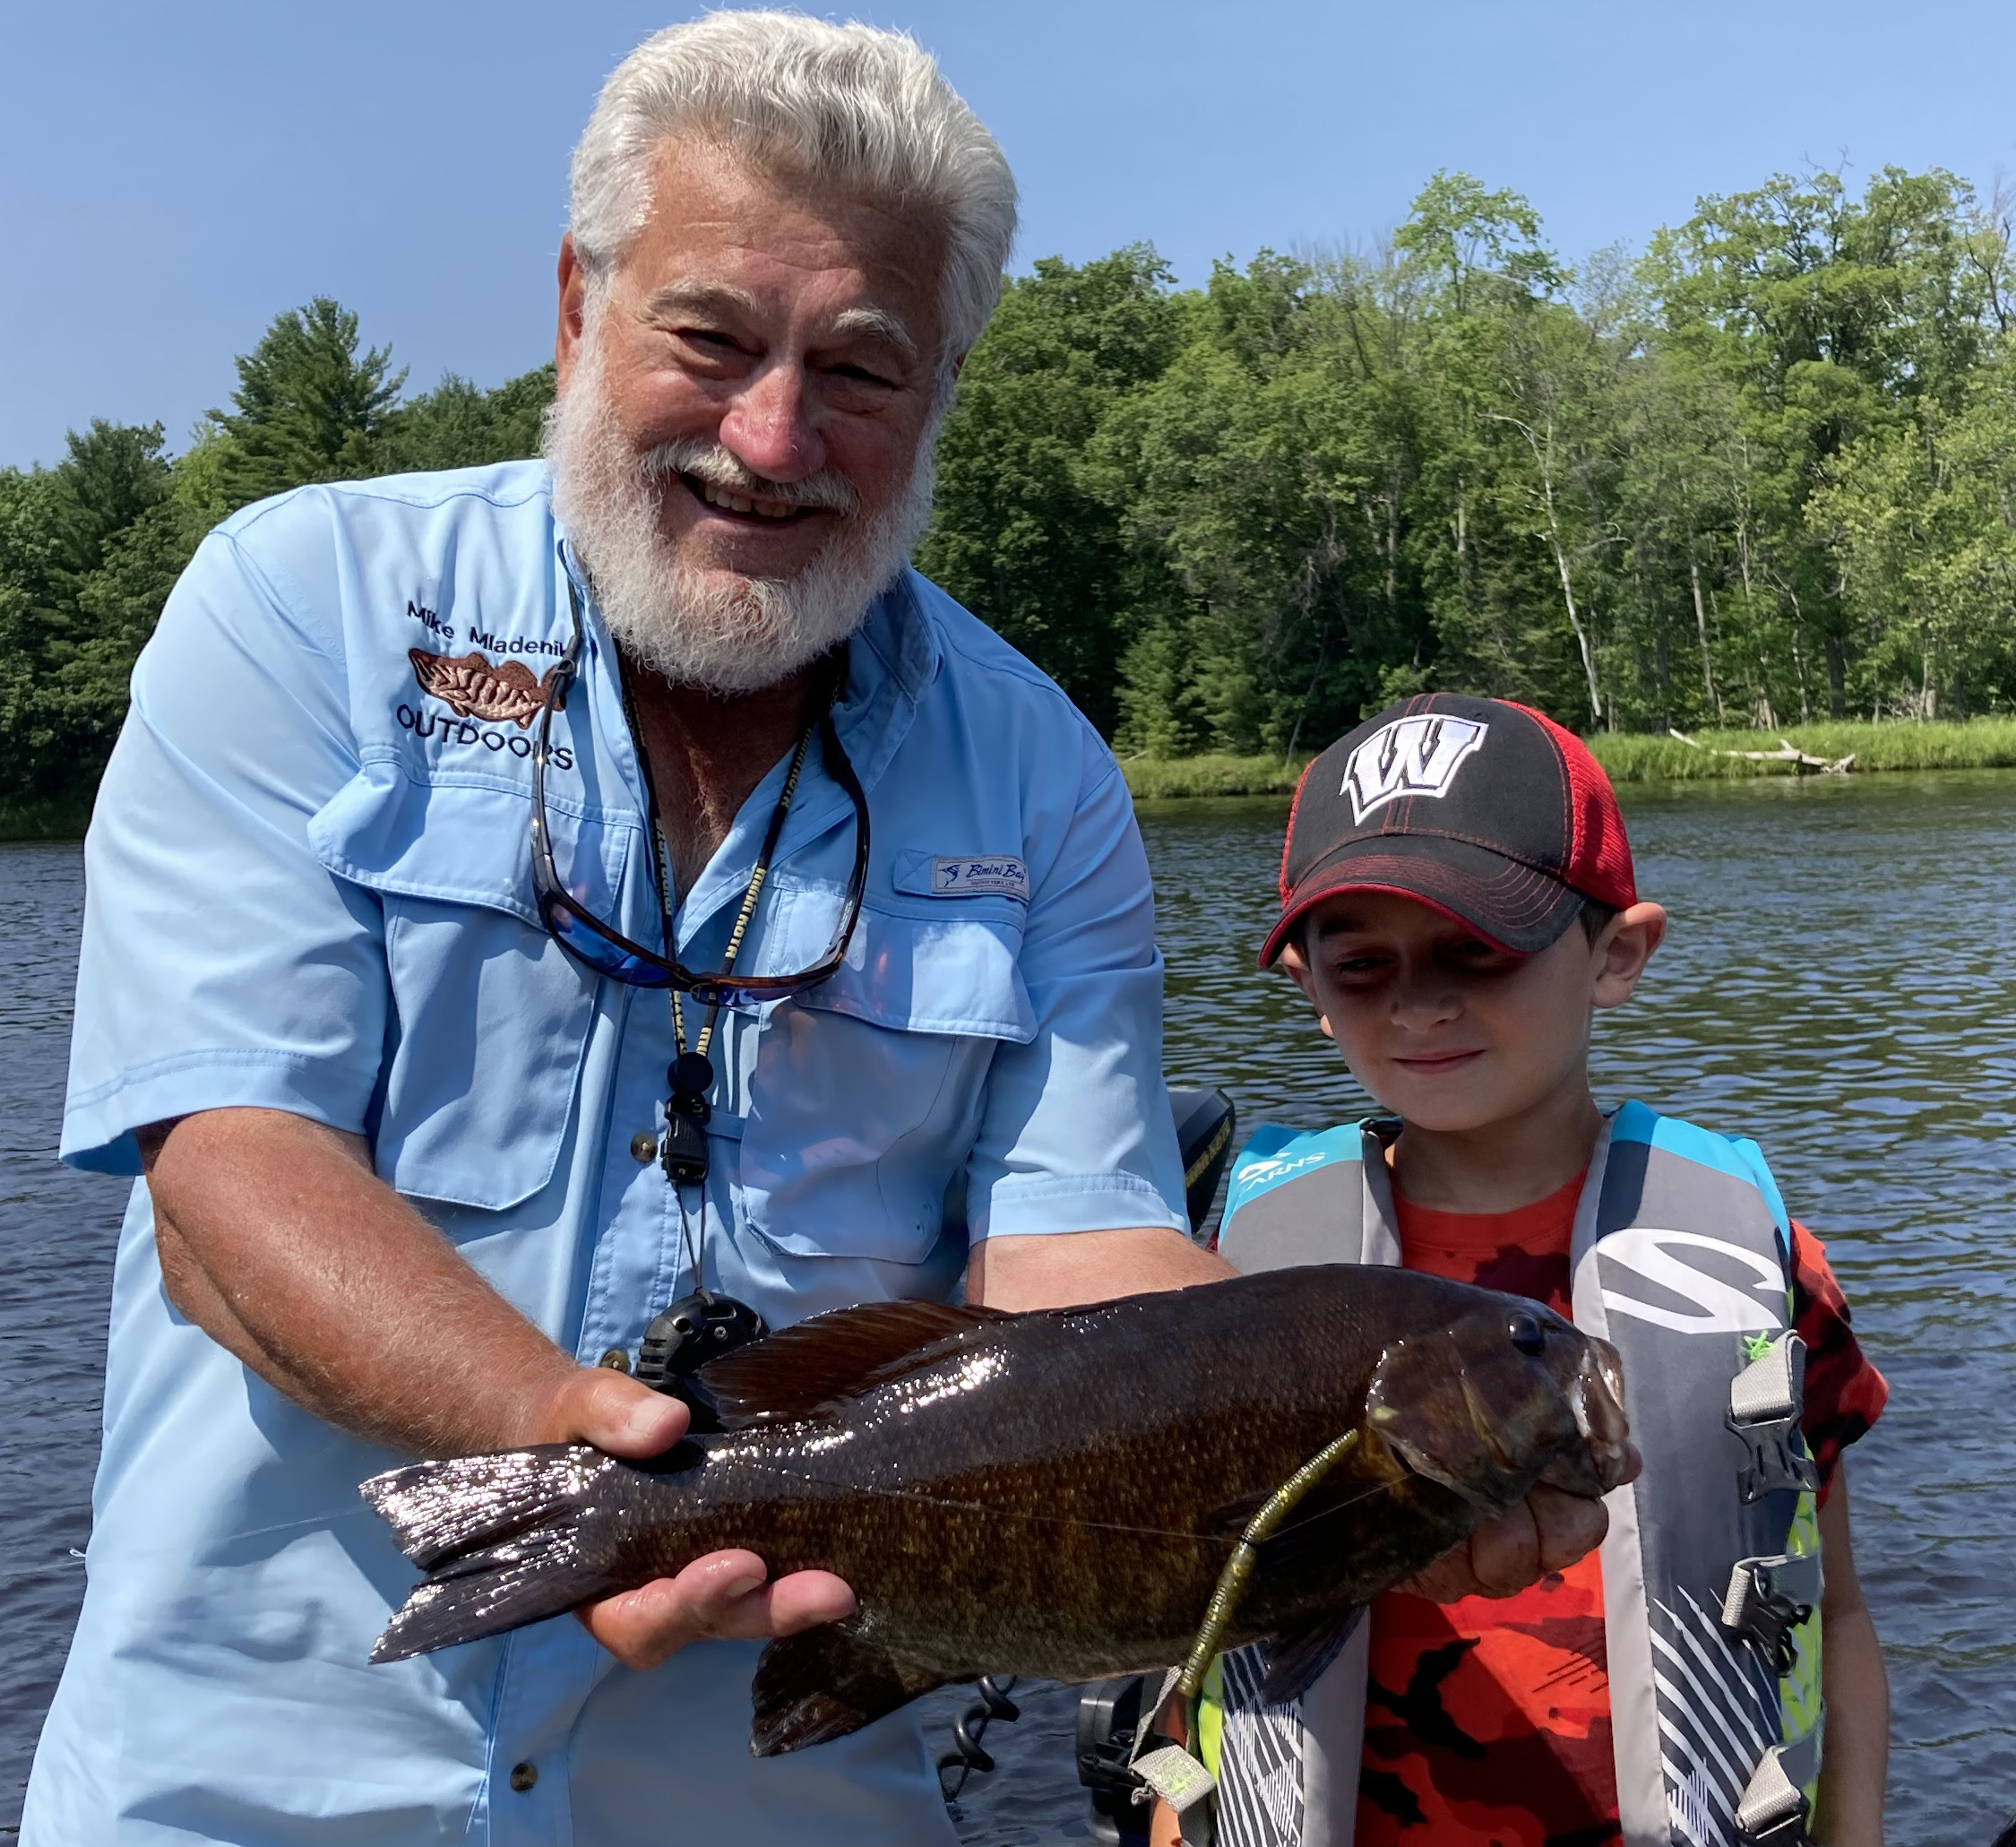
x: 822, y: 1685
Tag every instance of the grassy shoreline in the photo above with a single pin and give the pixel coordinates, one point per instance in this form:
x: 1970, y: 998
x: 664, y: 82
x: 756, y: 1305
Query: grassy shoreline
x: 1890, y: 745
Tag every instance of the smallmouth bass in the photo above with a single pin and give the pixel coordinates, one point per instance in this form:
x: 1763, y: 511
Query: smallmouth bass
x: 1052, y: 1494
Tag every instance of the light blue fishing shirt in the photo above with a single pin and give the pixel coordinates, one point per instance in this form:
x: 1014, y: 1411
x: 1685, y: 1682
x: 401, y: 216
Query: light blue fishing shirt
x: 309, y: 889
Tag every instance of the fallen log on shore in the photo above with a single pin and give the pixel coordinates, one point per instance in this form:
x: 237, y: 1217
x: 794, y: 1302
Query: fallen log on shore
x: 1804, y: 762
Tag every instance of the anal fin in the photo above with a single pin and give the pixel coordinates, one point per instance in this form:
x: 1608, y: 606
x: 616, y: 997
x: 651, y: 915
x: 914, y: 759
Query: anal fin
x: 1298, y: 1660
x: 823, y: 1684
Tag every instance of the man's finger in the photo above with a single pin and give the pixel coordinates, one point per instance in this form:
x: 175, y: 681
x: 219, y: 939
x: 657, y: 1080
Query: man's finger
x: 722, y: 1597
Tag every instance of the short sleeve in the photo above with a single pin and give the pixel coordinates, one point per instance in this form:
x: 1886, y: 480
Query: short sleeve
x: 1845, y: 1394
x: 1075, y: 1131
x: 220, y: 965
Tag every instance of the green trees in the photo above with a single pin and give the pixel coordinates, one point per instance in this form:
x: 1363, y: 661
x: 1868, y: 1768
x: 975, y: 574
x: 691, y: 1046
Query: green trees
x: 90, y: 548
x: 1026, y: 533
x: 1766, y: 471
x: 1763, y: 472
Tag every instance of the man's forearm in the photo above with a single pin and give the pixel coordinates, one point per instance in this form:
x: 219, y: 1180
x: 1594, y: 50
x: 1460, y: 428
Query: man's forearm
x: 278, y: 1240
x: 1063, y: 1269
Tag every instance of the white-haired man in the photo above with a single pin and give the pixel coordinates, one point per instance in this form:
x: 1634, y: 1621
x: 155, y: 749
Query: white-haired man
x: 525, y: 895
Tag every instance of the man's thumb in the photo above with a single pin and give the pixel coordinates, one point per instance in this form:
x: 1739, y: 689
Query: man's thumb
x: 626, y: 1418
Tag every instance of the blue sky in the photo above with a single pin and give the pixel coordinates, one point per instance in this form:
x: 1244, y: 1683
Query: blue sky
x: 173, y: 176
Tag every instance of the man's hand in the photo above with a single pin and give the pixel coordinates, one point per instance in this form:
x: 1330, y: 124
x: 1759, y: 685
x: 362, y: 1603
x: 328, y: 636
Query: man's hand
x: 1547, y: 1531
x: 725, y: 1595
x: 278, y: 1240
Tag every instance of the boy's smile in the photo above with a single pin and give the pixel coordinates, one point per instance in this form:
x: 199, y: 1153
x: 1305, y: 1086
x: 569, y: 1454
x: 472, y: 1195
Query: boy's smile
x: 1448, y: 1031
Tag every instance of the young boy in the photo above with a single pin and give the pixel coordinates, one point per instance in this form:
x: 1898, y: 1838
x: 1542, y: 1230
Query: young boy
x: 1457, y: 898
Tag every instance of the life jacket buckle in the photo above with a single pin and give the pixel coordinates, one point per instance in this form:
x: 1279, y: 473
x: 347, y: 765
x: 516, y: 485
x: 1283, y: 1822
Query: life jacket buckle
x: 1769, y: 1598
x: 1773, y: 1811
x: 1766, y: 1399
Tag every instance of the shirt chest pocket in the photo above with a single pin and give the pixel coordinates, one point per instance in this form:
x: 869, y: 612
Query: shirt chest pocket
x: 491, y: 1020
x: 866, y: 1095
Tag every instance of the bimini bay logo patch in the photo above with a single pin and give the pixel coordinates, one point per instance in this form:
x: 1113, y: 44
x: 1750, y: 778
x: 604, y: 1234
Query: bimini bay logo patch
x: 1418, y: 756
x: 480, y: 693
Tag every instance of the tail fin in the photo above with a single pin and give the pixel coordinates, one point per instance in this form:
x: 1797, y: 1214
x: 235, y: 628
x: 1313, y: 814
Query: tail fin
x: 504, y: 1539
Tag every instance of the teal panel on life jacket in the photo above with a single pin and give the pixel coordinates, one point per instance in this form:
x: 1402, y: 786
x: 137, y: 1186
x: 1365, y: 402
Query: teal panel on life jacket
x: 1276, y: 1153
x: 1739, y: 1158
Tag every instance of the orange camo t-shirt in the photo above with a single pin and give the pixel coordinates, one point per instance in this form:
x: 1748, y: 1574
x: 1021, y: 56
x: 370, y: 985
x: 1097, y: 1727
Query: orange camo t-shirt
x: 1488, y: 1721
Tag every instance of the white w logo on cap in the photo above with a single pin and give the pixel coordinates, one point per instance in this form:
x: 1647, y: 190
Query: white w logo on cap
x: 1410, y: 756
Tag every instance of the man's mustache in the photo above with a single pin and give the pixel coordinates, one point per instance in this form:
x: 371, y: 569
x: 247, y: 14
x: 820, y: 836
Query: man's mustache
x: 829, y: 490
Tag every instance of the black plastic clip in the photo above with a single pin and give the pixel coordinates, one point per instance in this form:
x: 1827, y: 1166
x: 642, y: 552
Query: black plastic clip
x: 1769, y: 1598
x: 691, y: 1332
x: 683, y: 1153
x: 1765, y: 1400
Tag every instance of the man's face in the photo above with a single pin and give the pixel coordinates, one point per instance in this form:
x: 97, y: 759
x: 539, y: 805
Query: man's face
x: 756, y: 386
x: 1447, y: 1030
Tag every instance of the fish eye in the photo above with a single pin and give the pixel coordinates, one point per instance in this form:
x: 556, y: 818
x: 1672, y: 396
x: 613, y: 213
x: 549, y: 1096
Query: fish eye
x: 1527, y: 1334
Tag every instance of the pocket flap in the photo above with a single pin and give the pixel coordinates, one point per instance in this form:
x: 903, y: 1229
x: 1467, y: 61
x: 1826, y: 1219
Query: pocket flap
x: 464, y: 844
x: 960, y: 974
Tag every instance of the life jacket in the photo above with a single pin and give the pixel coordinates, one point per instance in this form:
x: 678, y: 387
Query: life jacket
x: 1681, y: 1257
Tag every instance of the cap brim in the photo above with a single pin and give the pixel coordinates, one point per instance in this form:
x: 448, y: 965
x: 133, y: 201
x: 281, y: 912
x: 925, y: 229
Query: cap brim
x: 1504, y: 901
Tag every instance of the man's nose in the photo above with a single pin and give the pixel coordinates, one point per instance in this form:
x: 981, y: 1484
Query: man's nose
x: 769, y: 426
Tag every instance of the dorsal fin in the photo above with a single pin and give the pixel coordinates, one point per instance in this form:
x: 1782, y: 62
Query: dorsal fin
x: 840, y: 1354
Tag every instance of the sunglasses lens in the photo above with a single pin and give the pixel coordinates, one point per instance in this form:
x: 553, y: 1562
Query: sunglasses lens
x: 589, y: 946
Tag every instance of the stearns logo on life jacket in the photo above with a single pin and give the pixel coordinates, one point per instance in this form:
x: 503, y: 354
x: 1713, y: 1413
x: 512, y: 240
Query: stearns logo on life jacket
x: 1409, y: 756
x: 1645, y: 1255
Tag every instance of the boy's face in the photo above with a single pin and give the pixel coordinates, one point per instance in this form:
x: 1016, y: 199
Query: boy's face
x: 1449, y: 1031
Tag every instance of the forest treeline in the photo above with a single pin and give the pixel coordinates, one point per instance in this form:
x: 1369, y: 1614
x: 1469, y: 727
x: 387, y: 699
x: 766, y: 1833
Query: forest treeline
x: 1762, y: 471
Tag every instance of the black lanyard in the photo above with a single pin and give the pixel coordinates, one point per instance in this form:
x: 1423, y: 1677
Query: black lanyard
x: 683, y: 1151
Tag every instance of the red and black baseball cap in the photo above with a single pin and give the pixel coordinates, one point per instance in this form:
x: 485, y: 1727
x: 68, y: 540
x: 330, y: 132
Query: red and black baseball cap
x: 1487, y: 811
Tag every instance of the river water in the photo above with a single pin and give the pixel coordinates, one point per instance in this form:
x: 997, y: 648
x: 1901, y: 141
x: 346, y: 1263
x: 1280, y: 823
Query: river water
x: 1839, y: 983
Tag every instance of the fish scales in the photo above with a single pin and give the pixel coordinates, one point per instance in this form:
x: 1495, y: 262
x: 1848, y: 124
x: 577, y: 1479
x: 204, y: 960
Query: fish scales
x: 1052, y: 1494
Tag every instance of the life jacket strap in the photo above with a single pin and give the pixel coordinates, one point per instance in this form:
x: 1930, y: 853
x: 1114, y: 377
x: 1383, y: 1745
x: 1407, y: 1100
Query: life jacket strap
x: 1772, y: 1809
x: 1768, y: 1598
x: 1765, y: 1400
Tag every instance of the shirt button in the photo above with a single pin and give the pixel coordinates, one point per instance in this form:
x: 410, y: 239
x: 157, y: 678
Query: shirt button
x: 616, y: 1360
x: 524, y: 1776
x: 644, y: 1146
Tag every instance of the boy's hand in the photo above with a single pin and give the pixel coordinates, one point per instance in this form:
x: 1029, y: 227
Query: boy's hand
x: 1547, y: 1531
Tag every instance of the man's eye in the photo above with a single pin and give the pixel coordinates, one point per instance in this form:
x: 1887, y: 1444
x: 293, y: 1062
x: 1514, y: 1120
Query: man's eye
x: 861, y: 374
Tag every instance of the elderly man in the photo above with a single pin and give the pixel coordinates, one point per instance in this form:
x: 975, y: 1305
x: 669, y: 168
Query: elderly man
x: 524, y: 896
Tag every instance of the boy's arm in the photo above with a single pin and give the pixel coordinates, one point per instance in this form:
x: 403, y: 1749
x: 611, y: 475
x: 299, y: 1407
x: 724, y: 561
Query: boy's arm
x: 1856, y: 1764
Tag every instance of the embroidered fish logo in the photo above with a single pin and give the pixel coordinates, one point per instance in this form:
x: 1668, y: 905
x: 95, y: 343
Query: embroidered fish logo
x: 506, y: 694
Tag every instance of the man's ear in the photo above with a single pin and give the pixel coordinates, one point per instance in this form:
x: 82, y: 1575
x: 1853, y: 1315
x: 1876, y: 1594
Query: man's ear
x: 573, y: 302
x: 1628, y: 942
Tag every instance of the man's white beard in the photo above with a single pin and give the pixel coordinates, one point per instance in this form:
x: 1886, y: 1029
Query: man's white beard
x: 715, y: 630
